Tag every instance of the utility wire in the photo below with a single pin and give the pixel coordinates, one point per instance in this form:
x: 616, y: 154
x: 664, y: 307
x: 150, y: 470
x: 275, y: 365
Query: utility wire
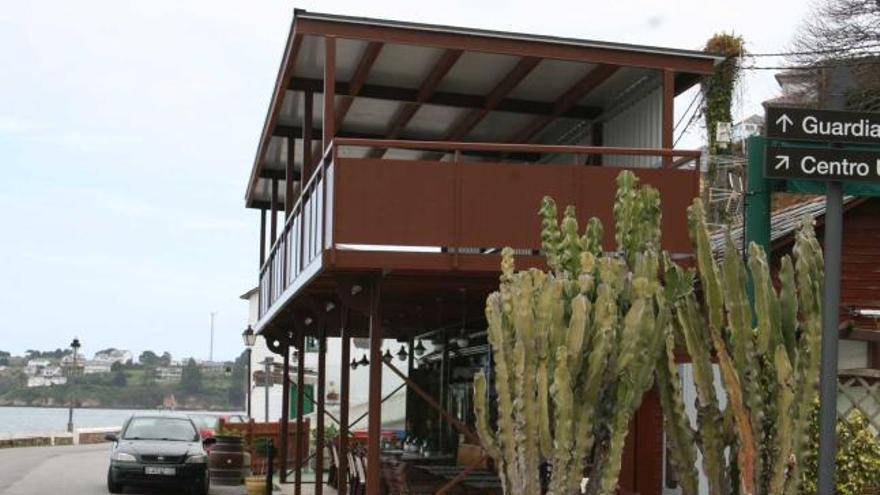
x: 811, y: 52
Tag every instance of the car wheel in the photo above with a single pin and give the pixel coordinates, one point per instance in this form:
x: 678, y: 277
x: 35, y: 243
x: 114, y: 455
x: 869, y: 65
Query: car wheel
x: 112, y: 486
x: 203, y: 488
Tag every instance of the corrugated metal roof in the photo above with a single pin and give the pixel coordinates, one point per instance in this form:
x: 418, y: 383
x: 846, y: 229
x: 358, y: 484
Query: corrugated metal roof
x: 782, y: 223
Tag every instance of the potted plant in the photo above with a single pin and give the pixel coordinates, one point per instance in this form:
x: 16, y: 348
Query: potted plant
x: 330, y: 433
x: 255, y: 484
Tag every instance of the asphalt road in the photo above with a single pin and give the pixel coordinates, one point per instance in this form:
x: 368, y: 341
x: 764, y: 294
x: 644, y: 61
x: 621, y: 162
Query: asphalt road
x: 74, y: 470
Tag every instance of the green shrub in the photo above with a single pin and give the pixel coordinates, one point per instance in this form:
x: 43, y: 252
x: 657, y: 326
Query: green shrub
x: 858, y: 455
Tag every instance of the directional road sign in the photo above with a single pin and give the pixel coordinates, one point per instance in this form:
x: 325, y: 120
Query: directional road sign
x: 827, y: 126
x: 822, y: 164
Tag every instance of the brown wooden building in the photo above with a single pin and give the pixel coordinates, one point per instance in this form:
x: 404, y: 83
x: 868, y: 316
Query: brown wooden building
x: 396, y: 160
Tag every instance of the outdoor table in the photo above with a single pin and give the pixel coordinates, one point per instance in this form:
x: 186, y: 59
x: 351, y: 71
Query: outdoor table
x: 426, y: 459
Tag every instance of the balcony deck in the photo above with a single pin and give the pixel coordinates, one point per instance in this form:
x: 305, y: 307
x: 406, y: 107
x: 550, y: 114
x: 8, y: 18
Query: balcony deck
x: 414, y: 221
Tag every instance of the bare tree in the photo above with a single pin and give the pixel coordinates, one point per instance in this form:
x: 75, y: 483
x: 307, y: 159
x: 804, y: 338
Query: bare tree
x: 843, y: 32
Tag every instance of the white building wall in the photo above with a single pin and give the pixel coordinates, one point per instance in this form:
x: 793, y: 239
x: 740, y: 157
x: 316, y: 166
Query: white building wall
x: 359, y: 378
x: 640, y: 125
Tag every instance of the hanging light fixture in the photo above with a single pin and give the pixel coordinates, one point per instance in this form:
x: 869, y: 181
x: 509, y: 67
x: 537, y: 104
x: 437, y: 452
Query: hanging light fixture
x: 364, y: 361
x: 387, y: 357
x: 419, y: 349
x: 402, y: 354
x: 462, y: 341
x: 354, y: 363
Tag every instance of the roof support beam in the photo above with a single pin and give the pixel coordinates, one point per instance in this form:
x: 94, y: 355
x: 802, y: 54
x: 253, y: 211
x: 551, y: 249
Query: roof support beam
x: 371, y: 53
x: 569, y: 99
x: 507, y: 83
x: 443, y: 98
x: 329, y: 118
x: 408, y: 110
x: 668, y: 114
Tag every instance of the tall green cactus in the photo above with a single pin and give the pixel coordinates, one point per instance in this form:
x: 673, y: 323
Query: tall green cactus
x: 575, y: 348
x: 767, y: 353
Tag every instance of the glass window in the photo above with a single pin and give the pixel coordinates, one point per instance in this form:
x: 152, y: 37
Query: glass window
x: 175, y: 429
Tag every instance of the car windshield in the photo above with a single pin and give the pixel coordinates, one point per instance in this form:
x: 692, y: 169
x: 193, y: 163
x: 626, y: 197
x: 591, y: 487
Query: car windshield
x: 205, y: 421
x: 175, y: 429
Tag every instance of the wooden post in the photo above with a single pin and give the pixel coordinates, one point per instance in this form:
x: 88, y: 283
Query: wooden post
x: 300, y: 390
x: 273, y: 219
x: 374, y: 421
x: 289, y: 176
x: 344, y: 379
x: 668, y: 113
x: 308, y: 109
x: 319, y: 444
x: 329, y: 120
x: 262, y: 237
x: 285, y: 410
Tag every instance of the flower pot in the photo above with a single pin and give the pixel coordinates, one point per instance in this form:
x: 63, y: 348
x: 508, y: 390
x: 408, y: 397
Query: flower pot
x: 255, y: 485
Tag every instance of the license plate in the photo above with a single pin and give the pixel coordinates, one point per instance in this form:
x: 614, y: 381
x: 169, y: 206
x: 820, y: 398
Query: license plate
x: 162, y: 471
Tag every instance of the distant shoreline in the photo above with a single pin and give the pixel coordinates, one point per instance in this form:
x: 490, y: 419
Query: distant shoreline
x: 125, y: 408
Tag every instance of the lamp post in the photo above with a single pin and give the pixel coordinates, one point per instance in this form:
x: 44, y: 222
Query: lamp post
x: 75, y: 345
x: 250, y: 338
x: 267, y: 381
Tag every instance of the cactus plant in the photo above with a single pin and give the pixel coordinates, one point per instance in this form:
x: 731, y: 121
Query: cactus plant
x: 575, y: 348
x: 767, y: 352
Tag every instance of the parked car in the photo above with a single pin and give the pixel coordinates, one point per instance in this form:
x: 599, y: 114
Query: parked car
x: 207, y: 423
x: 163, y: 450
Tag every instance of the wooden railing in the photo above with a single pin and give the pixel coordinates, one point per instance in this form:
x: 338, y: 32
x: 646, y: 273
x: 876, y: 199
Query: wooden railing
x: 364, y: 209
x: 303, y: 237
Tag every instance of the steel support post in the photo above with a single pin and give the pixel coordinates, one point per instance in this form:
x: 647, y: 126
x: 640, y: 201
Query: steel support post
x: 319, y: 443
x: 300, y: 390
x: 841, y: 80
x: 344, y: 379
x: 285, y: 410
x: 374, y: 422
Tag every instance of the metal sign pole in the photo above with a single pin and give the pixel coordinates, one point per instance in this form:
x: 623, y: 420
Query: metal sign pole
x: 830, y: 310
x: 830, y: 324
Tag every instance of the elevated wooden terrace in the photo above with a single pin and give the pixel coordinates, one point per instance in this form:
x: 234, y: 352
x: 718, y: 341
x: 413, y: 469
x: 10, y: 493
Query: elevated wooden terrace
x: 397, y: 159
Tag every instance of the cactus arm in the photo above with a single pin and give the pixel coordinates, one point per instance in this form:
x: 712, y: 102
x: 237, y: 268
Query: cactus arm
x: 766, y: 302
x: 484, y: 431
x: 709, y: 419
x: 679, y: 434
x: 745, y: 434
x: 708, y: 271
x: 551, y: 236
x: 498, y: 341
x: 784, y: 421
x: 788, y: 307
x: 546, y: 437
x: 563, y: 406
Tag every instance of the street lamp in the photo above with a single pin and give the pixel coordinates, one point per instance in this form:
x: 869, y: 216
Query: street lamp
x: 250, y: 338
x: 75, y: 345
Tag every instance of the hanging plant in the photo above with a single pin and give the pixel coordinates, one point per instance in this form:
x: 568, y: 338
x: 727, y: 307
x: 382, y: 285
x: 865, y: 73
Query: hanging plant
x: 718, y: 88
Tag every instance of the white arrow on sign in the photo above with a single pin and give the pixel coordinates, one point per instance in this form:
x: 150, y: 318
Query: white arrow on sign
x: 784, y: 121
x: 783, y: 162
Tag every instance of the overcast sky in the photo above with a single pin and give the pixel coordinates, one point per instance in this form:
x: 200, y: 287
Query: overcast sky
x: 128, y: 128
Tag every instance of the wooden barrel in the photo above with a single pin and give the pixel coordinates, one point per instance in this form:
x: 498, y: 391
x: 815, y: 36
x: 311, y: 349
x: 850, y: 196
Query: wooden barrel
x: 226, y: 461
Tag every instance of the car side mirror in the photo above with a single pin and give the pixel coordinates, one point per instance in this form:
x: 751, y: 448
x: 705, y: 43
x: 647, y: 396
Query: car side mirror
x: 111, y: 437
x: 209, y: 441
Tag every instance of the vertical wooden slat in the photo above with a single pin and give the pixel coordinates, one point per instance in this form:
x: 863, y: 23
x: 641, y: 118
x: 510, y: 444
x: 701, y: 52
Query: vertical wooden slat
x: 374, y: 421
